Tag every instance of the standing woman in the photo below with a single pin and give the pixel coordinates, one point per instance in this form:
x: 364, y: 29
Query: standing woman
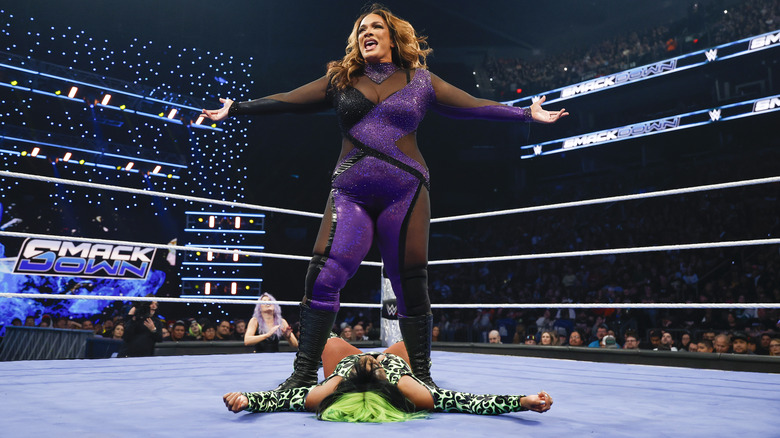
x: 267, y: 327
x: 380, y: 90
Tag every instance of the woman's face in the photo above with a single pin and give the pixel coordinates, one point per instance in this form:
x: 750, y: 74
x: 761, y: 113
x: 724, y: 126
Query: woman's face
x: 119, y: 331
x: 195, y: 328
x: 266, y: 307
x: 376, y: 44
x: 774, y: 348
x: 546, y: 339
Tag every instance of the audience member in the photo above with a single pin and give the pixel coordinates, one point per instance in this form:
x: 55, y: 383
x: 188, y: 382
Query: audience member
x: 178, y: 332
x: 549, y: 338
x: 601, y: 331
x: 576, y: 339
x: 346, y: 334
x: 630, y: 341
x: 223, y: 331
x: 494, y: 337
x: 722, y: 343
x: 209, y: 331
x: 705, y: 346
x: 774, y: 347
x: 359, y: 333
x: 196, y: 331
x: 240, y: 330
x: 609, y: 341
x: 739, y: 343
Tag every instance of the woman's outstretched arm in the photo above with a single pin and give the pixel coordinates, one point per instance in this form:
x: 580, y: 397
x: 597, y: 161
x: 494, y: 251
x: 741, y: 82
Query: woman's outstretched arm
x: 453, y: 102
x: 311, y: 97
x: 445, y: 400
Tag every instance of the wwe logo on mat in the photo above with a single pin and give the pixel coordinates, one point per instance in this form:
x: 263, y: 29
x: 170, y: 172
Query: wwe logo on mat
x: 87, y: 260
x: 711, y: 54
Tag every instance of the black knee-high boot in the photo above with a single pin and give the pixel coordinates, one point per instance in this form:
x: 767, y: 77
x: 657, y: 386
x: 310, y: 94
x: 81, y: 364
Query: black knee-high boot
x: 416, y: 331
x: 315, y: 330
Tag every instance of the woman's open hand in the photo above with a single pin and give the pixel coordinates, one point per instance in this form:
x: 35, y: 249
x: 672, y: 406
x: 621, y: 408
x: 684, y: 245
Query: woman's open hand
x: 543, y: 116
x: 219, y: 114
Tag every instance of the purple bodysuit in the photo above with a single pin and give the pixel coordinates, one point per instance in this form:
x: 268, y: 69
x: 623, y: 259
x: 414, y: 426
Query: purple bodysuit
x: 375, y: 185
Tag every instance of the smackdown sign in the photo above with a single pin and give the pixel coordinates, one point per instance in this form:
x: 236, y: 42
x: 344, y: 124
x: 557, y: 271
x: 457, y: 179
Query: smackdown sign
x: 86, y: 260
x: 620, y: 78
x: 625, y: 132
x: 668, y: 124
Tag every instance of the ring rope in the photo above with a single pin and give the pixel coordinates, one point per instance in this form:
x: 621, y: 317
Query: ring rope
x: 655, y: 194
x: 435, y: 220
x: 596, y: 252
x: 154, y: 193
x: 169, y: 247
x: 254, y: 300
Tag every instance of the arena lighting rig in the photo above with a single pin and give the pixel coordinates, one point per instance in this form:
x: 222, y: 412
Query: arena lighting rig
x: 43, y: 77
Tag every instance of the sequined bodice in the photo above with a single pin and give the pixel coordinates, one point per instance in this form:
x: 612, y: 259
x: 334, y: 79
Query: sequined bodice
x: 379, y: 126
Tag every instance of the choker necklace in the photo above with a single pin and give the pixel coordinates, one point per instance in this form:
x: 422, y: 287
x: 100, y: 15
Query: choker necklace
x: 379, y: 72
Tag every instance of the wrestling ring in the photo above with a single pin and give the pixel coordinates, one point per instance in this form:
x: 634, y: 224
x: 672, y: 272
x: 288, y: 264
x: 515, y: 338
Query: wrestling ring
x: 172, y: 395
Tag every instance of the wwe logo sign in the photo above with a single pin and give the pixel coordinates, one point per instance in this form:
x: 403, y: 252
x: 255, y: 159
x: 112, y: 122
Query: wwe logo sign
x: 714, y: 115
x: 390, y: 309
x: 711, y: 54
x: 86, y: 260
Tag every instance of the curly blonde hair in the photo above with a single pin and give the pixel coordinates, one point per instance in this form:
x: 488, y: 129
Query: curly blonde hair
x: 410, y: 52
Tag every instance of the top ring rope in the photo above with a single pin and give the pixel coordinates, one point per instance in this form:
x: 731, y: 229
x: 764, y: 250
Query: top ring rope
x: 154, y: 193
x: 656, y: 194
x: 254, y: 300
x: 169, y: 247
x: 596, y: 252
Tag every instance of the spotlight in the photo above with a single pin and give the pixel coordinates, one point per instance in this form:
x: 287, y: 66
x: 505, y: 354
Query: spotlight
x: 73, y: 91
x: 129, y: 165
x: 157, y: 169
x: 67, y: 156
x: 208, y: 289
x: 200, y: 119
x: 233, y: 288
x: 212, y: 220
x: 235, y: 256
x: 35, y: 151
x: 209, y: 256
x: 172, y: 114
x: 105, y: 100
x: 238, y: 222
